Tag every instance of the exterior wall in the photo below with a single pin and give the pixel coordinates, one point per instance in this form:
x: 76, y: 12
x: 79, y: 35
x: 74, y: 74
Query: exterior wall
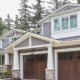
x: 0, y: 44
x: 25, y: 43
x: 36, y: 41
x: 5, y: 42
x: 9, y: 39
x: 47, y: 29
x: 66, y: 33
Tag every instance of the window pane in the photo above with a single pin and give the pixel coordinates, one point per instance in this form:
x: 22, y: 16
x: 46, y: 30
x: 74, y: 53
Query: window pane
x: 56, y: 25
x: 2, y: 59
x: 73, y: 21
x: 65, y: 24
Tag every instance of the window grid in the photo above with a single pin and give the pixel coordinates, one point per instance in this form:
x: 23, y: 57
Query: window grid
x: 69, y: 27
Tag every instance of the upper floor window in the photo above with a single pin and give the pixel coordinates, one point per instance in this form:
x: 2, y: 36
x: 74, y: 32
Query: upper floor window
x: 65, y: 23
x: 73, y: 21
x: 56, y: 25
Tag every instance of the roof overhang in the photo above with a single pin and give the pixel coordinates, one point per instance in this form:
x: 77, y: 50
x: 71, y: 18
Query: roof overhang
x: 12, y: 31
x: 29, y: 34
x: 55, y: 12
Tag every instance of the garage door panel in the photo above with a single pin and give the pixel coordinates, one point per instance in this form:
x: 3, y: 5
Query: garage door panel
x: 34, y: 66
x: 68, y: 66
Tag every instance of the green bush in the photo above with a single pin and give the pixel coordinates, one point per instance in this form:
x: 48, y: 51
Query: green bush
x: 6, y: 74
x: 1, y: 74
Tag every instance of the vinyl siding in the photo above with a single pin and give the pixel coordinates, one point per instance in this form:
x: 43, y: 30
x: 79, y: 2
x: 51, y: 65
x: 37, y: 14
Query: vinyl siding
x: 36, y: 41
x: 5, y: 42
x: 25, y: 43
x: 47, y: 29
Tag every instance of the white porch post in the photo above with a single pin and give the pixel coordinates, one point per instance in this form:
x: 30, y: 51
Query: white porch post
x: 50, y: 73
x: 15, y: 60
x: 6, y: 59
x: 16, y: 69
x: 50, y: 62
x: 6, y: 63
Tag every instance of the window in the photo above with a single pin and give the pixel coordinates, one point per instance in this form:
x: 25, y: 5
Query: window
x: 65, y: 23
x: 1, y: 60
x: 73, y: 21
x: 38, y: 32
x: 65, y: 56
x: 56, y: 25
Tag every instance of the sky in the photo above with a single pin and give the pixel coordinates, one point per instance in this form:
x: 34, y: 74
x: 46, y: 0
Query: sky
x: 11, y: 7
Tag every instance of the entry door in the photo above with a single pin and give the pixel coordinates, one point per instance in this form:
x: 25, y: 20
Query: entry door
x: 34, y: 66
x: 69, y: 66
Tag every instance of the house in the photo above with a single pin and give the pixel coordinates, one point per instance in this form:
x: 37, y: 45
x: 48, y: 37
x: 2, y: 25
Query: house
x: 52, y: 55
x: 6, y: 40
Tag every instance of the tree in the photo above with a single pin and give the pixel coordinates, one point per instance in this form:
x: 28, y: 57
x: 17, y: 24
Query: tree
x: 55, y: 4
x: 78, y: 1
x: 38, y: 12
x: 2, y: 26
x: 17, y: 22
x: 25, y: 16
x: 8, y: 21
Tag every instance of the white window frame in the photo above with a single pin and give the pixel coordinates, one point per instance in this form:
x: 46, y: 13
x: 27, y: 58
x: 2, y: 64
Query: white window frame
x: 60, y: 21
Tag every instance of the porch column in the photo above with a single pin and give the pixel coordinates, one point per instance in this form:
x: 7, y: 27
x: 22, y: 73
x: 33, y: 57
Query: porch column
x: 6, y: 66
x: 16, y: 69
x: 6, y: 59
x: 50, y: 73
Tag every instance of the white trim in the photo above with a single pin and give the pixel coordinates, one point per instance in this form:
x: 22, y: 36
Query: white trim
x: 30, y: 42
x: 21, y: 59
x: 56, y: 65
x: 54, y: 13
x: 56, y: 58
x: 46, y: 45
x: 1, y: 44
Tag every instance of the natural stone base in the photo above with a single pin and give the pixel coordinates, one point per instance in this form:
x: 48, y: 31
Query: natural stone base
x: 6, y: 68
x: 50, y: 74
x: 16, y: 74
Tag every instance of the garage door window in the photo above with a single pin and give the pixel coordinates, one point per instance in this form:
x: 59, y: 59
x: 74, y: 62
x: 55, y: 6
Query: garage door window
x: 65, y: 56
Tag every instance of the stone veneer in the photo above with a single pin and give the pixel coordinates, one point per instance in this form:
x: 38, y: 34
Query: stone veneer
x: 16, y: 73
x: 6, y: 68
x: 50, y: 74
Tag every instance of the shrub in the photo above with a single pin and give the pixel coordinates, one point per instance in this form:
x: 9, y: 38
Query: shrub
x: 6, y: 74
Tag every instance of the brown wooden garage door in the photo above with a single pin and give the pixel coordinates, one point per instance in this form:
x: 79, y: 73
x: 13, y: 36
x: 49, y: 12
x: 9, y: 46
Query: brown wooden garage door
x: 69, y: 66
x: 34, y: 66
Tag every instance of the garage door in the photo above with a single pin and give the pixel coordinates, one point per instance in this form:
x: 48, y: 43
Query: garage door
x: 34, y: 66
x: 69, y: 66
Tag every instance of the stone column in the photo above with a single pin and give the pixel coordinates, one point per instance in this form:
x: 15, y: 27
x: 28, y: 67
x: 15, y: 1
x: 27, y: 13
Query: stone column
x: 6, y: 66
x: 50, y: 72
x: 16, y: 69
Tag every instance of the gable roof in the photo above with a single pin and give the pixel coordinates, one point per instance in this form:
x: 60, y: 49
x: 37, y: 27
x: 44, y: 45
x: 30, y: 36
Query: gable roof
x: 12, y: 31
x: 65, y: 8
x: 28, y: 34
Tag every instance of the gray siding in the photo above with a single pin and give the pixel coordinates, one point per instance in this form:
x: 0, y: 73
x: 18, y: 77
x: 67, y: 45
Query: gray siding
x: 25, y: 43
x: 47, y: 29
x: 36, y: 41
x: 5, y: 42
